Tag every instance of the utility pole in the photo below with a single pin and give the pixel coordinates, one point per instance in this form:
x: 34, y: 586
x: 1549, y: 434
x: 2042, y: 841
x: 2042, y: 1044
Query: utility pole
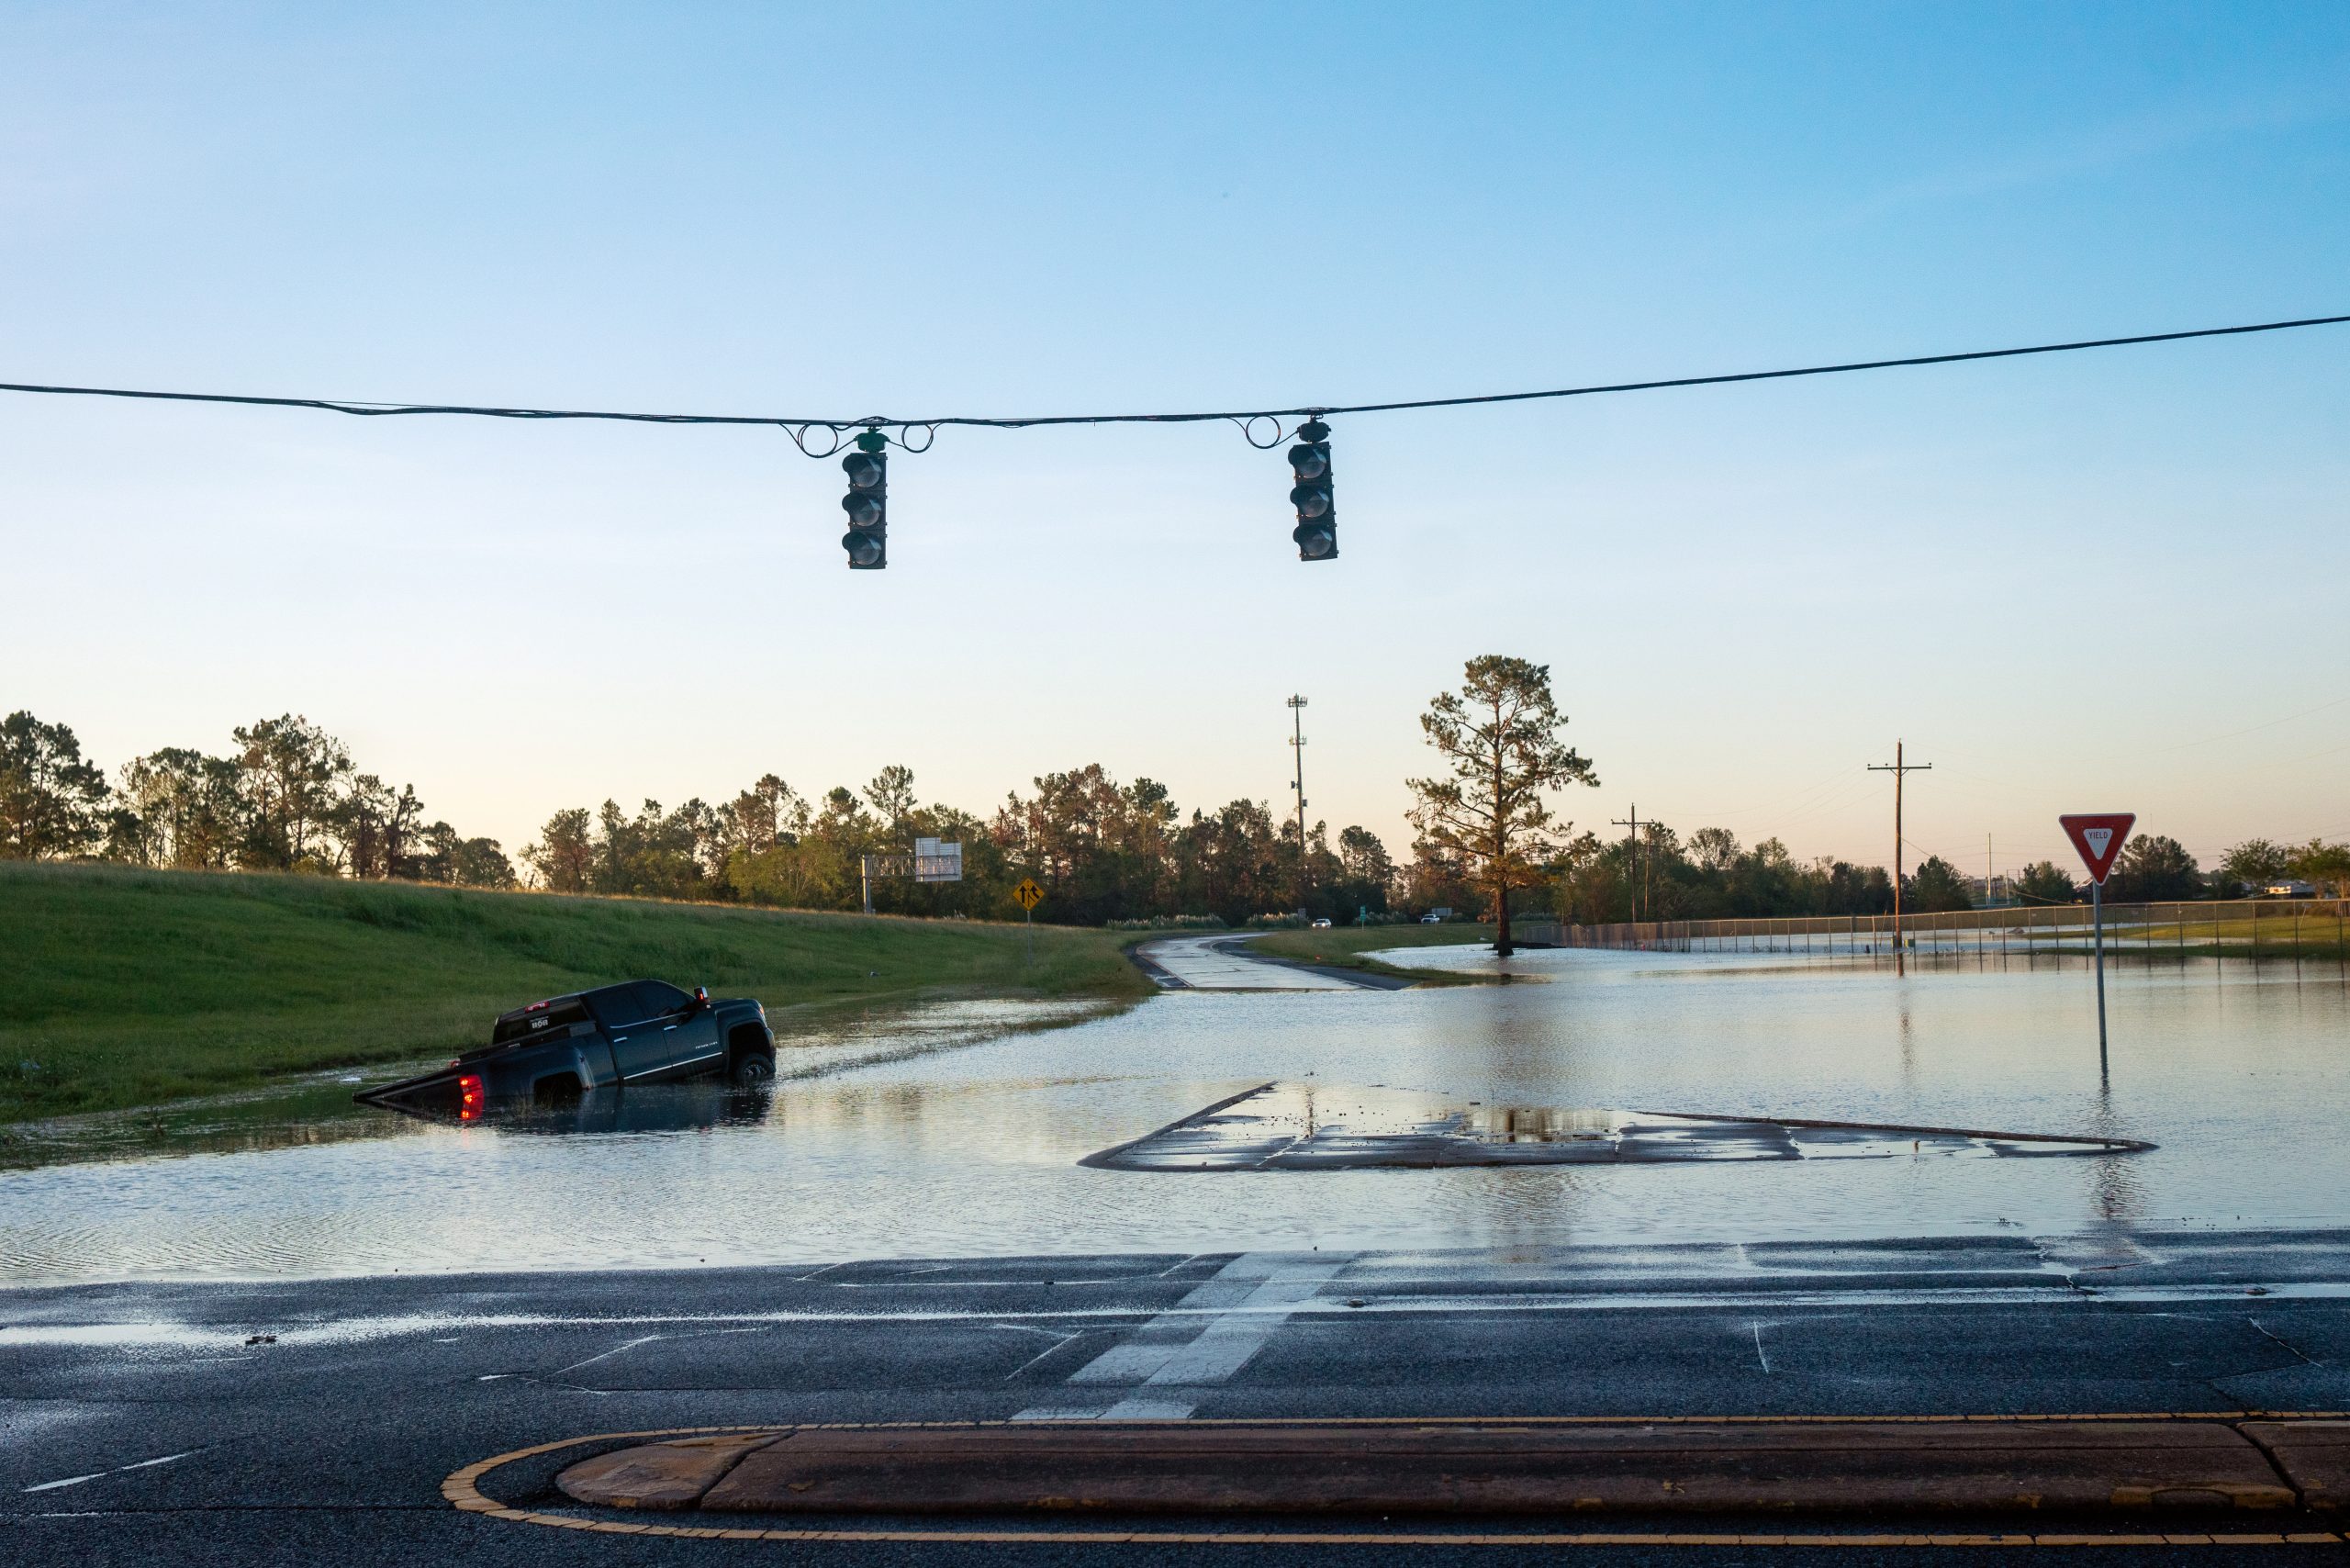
x: 1297, y: 749
x: 1632, y: 860
x: 1899, y: 769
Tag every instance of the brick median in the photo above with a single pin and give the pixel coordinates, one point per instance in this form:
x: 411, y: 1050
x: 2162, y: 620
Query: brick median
x: 1810, y: 1467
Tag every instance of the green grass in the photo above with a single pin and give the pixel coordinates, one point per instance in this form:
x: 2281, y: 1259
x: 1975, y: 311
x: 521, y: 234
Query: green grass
x: 122, y: 988
x: 1343, y: 948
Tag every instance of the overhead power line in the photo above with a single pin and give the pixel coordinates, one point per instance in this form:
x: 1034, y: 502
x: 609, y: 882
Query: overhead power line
x: 1315, y: 535
x: 798, y: 426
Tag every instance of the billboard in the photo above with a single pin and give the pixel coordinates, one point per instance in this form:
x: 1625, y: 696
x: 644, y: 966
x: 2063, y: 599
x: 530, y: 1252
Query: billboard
x: 938, y: 861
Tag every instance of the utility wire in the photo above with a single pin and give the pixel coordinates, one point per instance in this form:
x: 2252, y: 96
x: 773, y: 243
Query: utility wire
x: 340, y: 405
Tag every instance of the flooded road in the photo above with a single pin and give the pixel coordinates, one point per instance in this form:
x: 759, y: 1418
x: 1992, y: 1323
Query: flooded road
x: 907, y: 1141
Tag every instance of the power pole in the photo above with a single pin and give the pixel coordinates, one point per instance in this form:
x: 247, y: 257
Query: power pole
x: 1297, y: 749
x: 1632, y: 856
x: 1899, y: 769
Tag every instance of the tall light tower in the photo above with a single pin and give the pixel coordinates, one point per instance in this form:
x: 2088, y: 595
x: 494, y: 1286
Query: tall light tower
x: 1297, y: 750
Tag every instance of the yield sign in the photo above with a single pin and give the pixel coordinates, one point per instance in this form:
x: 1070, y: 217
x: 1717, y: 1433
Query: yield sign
x: 2099, y: 835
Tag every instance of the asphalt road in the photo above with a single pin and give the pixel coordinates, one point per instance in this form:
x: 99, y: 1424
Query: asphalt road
x: 1220, y: 962
x: 137, y: 1425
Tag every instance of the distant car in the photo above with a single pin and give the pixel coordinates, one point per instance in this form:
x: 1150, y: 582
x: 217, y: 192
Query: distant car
x: 1322, y: 923
x: 552, y: 1052
x: 1431, y: 919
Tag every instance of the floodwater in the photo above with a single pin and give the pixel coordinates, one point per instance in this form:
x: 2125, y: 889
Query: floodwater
x: 922, y: 1135
x: 1316, y: 1125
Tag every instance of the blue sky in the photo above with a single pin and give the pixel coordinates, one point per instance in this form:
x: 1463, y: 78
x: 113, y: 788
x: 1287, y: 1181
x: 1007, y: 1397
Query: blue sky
x: 2083, y: 583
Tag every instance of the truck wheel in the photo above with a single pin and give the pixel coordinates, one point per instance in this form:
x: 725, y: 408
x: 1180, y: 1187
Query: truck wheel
x: 752, y: 1069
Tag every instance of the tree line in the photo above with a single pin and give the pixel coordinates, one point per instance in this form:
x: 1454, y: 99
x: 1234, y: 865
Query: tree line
x: 1102, y: 850
x: 1709, y: 876
x: 1486, y: 829
x: 287, y: 796
x: 284, y: 797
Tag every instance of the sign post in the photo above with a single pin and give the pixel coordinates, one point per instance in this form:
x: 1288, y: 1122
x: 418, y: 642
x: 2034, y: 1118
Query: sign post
x: 1028, y: 895
x: 2098, y: 836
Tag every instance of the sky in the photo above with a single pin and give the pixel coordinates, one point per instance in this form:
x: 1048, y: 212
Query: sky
x: 2076, y: 583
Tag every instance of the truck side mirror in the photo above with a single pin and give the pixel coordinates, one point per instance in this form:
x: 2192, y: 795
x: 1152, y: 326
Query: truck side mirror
x: 701, y: 997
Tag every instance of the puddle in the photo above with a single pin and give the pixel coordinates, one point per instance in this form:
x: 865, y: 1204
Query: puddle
x: 1306, y: 1126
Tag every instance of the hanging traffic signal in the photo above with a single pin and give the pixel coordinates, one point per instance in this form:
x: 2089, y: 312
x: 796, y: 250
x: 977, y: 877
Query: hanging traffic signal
x: 867, y: 503
x: 1317, y: 532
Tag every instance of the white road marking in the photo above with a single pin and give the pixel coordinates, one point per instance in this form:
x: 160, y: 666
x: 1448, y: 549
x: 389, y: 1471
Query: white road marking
x: 630, y: 1345
x: 118, y: 1470
x: 1148, y: 1410
x: 1058, y: 1336
x: 1538, y: 1286
x: 556, y: 1379
x: 1201, y: 1341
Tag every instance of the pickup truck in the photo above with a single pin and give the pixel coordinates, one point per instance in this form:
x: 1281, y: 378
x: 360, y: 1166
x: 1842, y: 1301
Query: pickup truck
x: 552, y: 1052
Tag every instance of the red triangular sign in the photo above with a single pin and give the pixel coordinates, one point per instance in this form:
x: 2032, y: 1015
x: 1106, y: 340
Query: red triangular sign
x: 2098, y: 836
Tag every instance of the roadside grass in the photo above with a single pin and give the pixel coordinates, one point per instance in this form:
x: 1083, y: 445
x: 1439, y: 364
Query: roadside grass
x: 1345, y: 948
x: 123, y: 988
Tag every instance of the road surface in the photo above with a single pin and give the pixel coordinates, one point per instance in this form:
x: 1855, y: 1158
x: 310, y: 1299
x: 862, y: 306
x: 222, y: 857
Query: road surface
x: 1222, y: 962
x: 316, y: 1422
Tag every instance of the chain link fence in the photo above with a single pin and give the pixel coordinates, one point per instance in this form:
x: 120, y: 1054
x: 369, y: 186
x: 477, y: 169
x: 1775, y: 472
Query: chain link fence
x: 2299, y: 929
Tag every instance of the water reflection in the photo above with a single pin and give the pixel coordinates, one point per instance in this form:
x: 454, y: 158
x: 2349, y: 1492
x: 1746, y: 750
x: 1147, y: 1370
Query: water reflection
x: 314, y: 1110
x: 318, y: 1108
x: 656, y: 1108
x: 922, y: 1135
x: 1314, y: 1126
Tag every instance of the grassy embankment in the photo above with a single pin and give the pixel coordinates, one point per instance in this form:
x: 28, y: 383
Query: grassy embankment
x: 122, y: 988
x: 1343, y: 947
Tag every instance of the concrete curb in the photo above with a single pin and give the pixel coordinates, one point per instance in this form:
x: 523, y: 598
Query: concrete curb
x: 2128, y: 1466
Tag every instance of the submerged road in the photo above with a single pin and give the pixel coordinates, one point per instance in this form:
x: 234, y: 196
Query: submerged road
x: 316, y: 1422
x: 1223, y: 962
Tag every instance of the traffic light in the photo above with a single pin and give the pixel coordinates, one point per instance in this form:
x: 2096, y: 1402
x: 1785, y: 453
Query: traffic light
x: 1317, y: 532
x: 867, y: 503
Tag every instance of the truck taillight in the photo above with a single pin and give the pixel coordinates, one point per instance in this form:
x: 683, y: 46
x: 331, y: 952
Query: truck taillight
x: 469, y: 1097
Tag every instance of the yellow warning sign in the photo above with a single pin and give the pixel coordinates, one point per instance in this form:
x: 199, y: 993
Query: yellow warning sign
x: 1027, y: 895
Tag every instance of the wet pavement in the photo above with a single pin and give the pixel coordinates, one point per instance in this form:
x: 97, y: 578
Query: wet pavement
x: 317, y: 1422
x: 1219, y: 963
x: 908, y: 1139
x: 1307, y: 1126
